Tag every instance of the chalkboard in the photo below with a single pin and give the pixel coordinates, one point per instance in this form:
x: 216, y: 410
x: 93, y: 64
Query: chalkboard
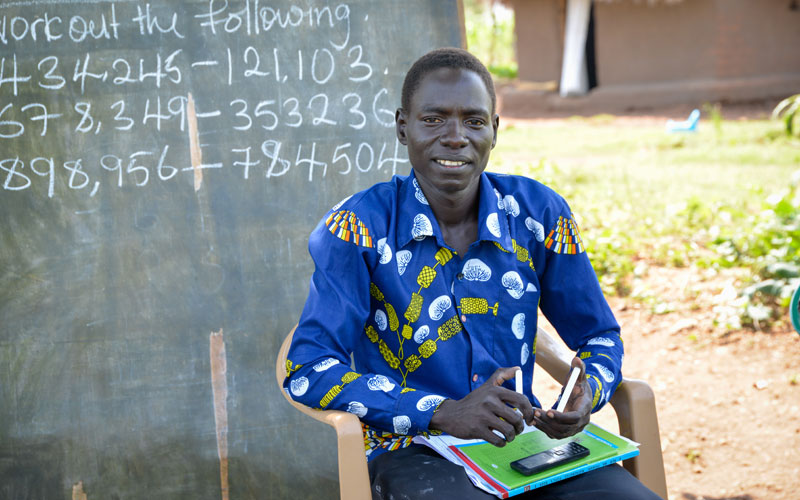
x: 162, y: 164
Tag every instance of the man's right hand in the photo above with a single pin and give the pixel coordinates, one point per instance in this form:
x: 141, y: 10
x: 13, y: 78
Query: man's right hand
x: 488, y: 407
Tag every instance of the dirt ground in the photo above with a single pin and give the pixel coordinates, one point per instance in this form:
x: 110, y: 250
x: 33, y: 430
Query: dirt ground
x: 728, y: 402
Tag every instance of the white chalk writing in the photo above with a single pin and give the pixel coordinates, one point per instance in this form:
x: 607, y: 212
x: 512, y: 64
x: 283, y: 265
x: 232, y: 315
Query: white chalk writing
x: 279, y: 89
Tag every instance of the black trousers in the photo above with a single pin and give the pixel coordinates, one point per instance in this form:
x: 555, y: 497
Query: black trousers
x: 419, y: 473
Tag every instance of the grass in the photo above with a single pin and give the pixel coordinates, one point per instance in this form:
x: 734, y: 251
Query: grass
x: 642, y: 194
x: 625, y: 163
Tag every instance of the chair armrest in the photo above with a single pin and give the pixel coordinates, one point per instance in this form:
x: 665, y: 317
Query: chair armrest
x: 353, y: 473
x: 635, y: 406
x: 551, y: 356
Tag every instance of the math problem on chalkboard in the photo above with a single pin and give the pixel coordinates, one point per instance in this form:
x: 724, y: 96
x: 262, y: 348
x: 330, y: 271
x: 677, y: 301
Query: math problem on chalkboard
x: 119, y: 81
x: 161, y: 167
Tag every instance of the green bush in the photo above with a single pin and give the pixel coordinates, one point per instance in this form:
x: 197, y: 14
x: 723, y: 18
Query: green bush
x: 490, y: 36
x: 769, y: 244
x: 788, y: 110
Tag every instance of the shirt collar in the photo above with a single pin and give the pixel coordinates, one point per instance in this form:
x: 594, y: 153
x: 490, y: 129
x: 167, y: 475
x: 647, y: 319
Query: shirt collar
x: 416, y: 219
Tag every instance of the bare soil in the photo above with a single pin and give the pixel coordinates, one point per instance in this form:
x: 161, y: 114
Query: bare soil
x: 728, y: 402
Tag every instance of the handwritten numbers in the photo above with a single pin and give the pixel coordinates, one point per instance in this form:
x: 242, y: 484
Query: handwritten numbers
x: 358, y: 64
x: 133, y: 167
x: 75, y: 171
x: 294, y: 112
x: 13, y: 80
x: 162, y: 167
x: 254, y: 71
x: 14, y: 128
x: 311, y: 161
x: 354, y: 109
x: 383, y: 116
x: 49, y: 173
x: 157, y: 74
x: 82, y: 73
x: 50, y: 74
x: 342, y: 156
x: 42, y: 117
x: 157, y: 116
x: 392, y: 160
x: 177, y: 107
x: 126, y: 72
x: 112, y: 163
x: 323, y: 112
x: 246, y: 163
x: 364, y: 147
x: 271, y: 150
x: 119, y: 116
x: 242, y: 114
x: 173, y: 72
x: 87, y: 122
x: 322, y: 80
x: 14, y: 173
x: 261, y: 110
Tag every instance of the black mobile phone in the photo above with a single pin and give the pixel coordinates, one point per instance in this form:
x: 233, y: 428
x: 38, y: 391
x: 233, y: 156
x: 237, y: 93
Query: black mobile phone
x: 550, y: 458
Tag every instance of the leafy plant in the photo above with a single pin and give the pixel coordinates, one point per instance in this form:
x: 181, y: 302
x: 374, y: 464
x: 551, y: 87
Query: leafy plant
x: 769, y: 244
x: 788, y: 110
x: 490, y: 35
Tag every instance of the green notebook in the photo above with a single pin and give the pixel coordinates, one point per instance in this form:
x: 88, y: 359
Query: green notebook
x: 488, y: 466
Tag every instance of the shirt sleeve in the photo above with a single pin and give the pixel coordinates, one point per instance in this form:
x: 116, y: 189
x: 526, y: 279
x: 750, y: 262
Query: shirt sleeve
x: 573, y: 302
x: 318, y: 366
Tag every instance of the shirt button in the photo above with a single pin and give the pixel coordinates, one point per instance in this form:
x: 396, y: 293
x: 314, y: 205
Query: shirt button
x: 463, y: 318
x: 460, y: 276
x: 475, y: 378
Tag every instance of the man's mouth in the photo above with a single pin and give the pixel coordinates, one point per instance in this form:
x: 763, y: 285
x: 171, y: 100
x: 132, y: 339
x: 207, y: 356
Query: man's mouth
x: 451, y: 163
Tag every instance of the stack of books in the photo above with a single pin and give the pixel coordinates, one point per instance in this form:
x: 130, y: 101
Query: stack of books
x: 488, y: 466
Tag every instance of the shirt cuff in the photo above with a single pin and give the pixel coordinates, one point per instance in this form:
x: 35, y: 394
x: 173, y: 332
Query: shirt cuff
x: 414, y: 410
x: 599, y: 392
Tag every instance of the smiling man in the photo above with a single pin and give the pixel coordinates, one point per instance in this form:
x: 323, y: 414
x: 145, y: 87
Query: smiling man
x: 433, y: 281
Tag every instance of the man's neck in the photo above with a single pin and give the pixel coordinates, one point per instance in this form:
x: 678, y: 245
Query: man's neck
x: 457, y: 215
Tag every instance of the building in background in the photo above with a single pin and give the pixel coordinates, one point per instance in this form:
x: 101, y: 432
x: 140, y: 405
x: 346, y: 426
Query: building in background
x: 643, y: 53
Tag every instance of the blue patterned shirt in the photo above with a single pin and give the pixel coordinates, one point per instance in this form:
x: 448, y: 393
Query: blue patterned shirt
x: 424, y: 323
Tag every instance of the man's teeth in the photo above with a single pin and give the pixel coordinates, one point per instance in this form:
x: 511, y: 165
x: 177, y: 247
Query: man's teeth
x: 450, y: 163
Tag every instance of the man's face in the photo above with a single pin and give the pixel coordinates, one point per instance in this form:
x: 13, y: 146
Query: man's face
x: 449, y: 130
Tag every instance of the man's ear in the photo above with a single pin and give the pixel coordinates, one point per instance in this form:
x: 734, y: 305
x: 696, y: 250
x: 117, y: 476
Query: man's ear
x: 495, y: 126
x: 400, y: 126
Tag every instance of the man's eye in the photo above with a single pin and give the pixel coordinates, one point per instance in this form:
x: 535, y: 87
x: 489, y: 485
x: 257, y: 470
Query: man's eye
x: 431, y: 119
x: 475, y: 123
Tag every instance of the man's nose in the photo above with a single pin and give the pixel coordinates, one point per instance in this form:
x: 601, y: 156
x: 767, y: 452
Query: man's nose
x: 453, y: 135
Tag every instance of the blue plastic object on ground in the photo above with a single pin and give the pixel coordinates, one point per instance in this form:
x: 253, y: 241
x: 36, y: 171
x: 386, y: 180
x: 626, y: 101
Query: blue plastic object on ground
x: 688, y: 125
x: 795, y: 307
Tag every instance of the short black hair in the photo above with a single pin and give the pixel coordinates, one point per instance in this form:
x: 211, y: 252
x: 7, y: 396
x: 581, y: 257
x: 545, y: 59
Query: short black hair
x: 448, y: 57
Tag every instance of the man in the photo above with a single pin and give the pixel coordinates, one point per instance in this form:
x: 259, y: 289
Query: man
x: 433, y: 281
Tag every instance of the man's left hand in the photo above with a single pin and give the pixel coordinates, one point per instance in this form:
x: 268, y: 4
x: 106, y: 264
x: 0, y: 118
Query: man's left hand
x: 573, y: 419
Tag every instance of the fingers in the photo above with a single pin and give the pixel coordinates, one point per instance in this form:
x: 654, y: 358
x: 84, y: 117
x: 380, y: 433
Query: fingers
x: 503, y: 374
x: 578, y: 362
x: 512, y: 417
x: 512, y: 398
x: 560, y: 425
x: 527, y: 411
x: 506, y: 429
